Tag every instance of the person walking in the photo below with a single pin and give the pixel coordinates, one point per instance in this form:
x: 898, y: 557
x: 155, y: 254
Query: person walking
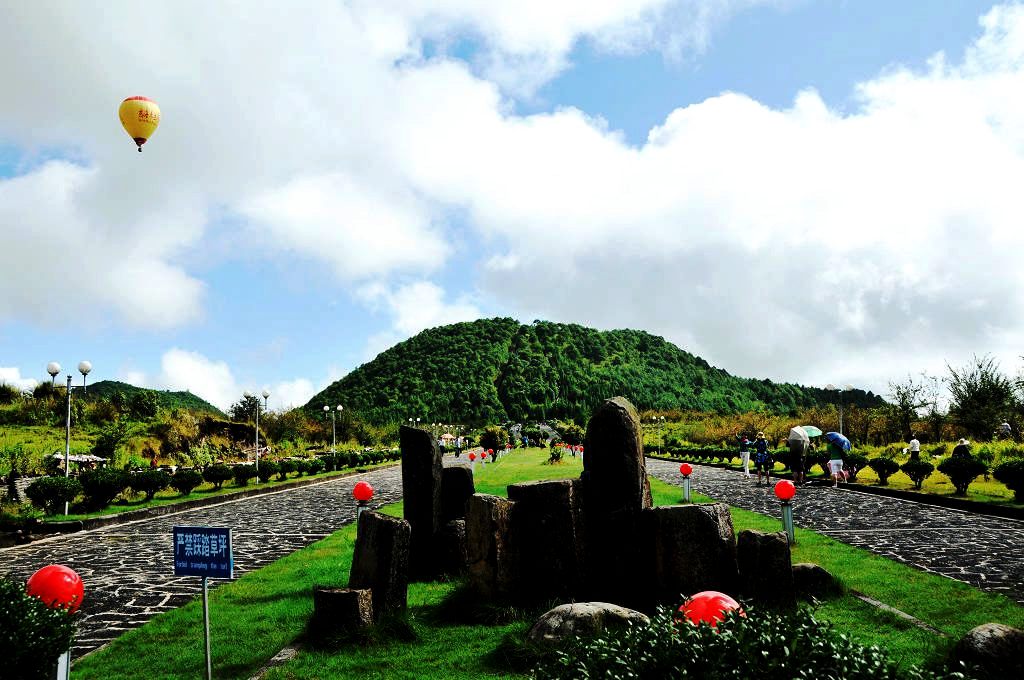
x: 763, y: 460
x: 835, y: 463
x: 914, y: 447
x: 798, y: 458
x: 962, y: 449
x: 744, y: 453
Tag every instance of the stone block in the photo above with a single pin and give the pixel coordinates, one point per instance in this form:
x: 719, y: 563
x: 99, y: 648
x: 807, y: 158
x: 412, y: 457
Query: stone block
x: 813, y: 580
x: 765, y: 567
x: 581, y: 619
x: 997, y: 650
x: 341, y: 609
x: 489, y: 556
x: 456, y: 488
x: 547, y: 535
x: 421, y: 490
x: 380, y: 562
x: 451, y: 548
x: 688, y: 548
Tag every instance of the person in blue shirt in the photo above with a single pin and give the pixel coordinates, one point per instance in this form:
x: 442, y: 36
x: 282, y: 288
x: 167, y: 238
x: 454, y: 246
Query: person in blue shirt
x: 763, y: 460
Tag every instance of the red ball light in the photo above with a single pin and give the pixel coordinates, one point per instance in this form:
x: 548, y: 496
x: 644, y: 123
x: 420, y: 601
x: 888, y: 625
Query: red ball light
x: 362, y: 491
x: 483, y: 454
x: 709, y: 606
x: 685, y: 469
x: 472, y: 456
x: 490, y: 451
x: 785, y: 490
x: 57, y: 586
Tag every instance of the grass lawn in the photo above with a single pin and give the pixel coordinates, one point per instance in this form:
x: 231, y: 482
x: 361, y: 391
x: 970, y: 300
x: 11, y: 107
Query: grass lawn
x: 255, y: 616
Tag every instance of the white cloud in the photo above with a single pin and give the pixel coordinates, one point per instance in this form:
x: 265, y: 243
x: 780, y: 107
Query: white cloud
x: 290, y: 393
x: 212, y: 380
x: 12, y: 377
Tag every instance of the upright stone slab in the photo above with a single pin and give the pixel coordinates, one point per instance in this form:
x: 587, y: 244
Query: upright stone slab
x: 341, y: 610
x: 688, y: 548
x: 421, y: 489
x: 381, y: 562
x: 489, y: 557
x: 451, y: 548
x: 547, y: 535
x: 615, y: 491
x: 765, y: 567
x: 456, y: 488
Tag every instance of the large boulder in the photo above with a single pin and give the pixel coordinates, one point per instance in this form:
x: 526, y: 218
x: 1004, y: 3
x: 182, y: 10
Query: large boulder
x: 338, y: 610
x: 421, y: 490
x: 582, y: 619
x: 451, y: 548
x: 688, y: 548
x: 456, y: 488
x: 615, y: 491
x: 380, y: 561
x: 489, y: 555
x: 547, y: 534
x: 813, y: 580
x: 996, y: 649
x: 765, y: 567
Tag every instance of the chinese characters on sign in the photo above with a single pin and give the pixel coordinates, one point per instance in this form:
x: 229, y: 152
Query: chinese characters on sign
x: 203, y: 551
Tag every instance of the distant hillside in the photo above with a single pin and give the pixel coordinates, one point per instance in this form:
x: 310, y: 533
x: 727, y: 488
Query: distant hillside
x: 494, y: 370
x: 166, y: 399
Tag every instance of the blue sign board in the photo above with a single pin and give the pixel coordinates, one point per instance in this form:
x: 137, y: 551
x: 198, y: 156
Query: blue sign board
x: 203, y: 551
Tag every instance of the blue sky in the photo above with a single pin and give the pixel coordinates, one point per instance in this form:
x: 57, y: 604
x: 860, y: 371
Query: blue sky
x: 374, y: 172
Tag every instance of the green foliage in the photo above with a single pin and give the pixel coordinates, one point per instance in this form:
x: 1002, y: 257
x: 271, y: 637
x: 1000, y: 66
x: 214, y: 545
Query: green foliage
x: 184, y: 481
x: 284, y: 468
x: 51, y: 493
x: 961, y: 472
x: 982, y: 397
x: 149, y: 482
x: 496, y: 370
x: 1011, y: 473
x: 494, y: 437
x: 217, y: 475
x: 918, y: 471
x: 854, y: 462
x: 112, y: 438
x: 102, y: 486
x: 884, y: 467
x: 244, y: 410
x: 571, y: 433
x: 268, y: 468
x: 32, y: 635
x: 314, y: 466
x: 759, y: 645
x: 9, y: 393
x: 243, y: 473
x: 122, y: 394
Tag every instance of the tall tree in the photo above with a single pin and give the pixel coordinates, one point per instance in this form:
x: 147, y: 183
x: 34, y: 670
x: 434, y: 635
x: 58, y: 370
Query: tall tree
x: 905, y: 399
x: 982, y: 397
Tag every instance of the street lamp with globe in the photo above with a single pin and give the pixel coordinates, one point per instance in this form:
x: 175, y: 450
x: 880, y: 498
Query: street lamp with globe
x: 84, y: 367
x: 334, y: 427
x: 53, y: 368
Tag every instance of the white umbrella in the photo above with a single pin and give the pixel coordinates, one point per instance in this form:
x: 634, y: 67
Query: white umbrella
x: 798, y: 434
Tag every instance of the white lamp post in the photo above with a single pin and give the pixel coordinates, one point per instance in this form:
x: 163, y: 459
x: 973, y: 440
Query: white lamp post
x: 53, y: 368
x: 661, y: 434
x: 842, y: 389
x: 84, y: 367
x: 334, y: 428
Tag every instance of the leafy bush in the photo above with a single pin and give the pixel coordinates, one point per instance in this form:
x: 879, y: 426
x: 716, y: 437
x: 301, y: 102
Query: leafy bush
x: 268, y: 468
x: 555, y: 455
x: 32, y: 635
x: 494, y: 437
x: 1011, y: 473
x: 854, y: 462
x: 961, y: 472
x: 184, y: 481
x: 217, y: 475
x: 284, y: 467
x: 797, y: 646
x: 918, y: 471
x: 300, y: 467
x: 51, y: 493
x: 314, y: 466
x: 149, y: 482
x: 884, y: 467
x: 102, y: 486
x: 243, y: 473
x: 8, y: 393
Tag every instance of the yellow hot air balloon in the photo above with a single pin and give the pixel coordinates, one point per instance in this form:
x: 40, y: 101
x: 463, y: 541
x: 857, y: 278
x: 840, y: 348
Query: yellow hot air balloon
x: 139, y: 116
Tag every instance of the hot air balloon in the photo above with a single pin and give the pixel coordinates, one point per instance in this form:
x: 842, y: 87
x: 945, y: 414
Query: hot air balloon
x: 139, y: 116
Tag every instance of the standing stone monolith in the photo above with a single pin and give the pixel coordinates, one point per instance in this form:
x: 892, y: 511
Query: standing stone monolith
x: 421, y: 488
x: 615, y: 491
x: 456, y: 487
x: 766, y: 568
x: 380, y: 561
x: 688, y: 548
x: 547, y: 535
x: 489, y: 556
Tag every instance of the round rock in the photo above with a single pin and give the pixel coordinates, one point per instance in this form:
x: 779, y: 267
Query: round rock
x: 581, y: 618
x: 997, y: 649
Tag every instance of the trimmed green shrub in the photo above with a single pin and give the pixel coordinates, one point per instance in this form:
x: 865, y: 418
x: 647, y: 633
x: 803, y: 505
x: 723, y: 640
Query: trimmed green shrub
x: 494, y: 437
x: 763, y: 645
x: 314, y: 466
x: 961, y: 472
x: 268, y: 468
x: 1011, y: 473
x: 243, y: 473
x: 51, y: 493
x: 184, y: 481
x: 217, y: 475
x: 102, y: 486
x: 32, y: 635
x: 918, y: 471
x: 854, y: 462
x: 149, y: 482
x: 285, y: 467
x: 884, y: 467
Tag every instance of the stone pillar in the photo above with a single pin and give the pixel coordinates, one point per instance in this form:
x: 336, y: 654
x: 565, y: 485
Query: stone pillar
x: 687, y: 549
x: 765, y: 567
x: 615, y: 491
x: 547, y: 535
x: 456, y: 488
x: 341, y: 609
x: 489, y: 558
x: 451, y: 548
x: 381, y: 561
x: 421, y: 489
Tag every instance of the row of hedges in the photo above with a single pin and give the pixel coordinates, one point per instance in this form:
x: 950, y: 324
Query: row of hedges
x: 100, y: 487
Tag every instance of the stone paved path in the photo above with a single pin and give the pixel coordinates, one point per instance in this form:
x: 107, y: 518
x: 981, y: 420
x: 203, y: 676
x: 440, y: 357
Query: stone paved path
x: 127, y: 569
x: 986, y: 552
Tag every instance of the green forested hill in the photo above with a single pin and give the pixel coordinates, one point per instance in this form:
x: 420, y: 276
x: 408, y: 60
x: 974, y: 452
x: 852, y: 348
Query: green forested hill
x: 493, y: 370
x: 165, y: 399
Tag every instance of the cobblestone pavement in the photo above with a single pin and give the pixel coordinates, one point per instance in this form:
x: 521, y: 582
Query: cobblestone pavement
x: 984, y: 551
x: 127, y: 568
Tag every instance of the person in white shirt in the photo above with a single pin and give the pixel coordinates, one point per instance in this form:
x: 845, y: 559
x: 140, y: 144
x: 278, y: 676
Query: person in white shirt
x: 915, y: 447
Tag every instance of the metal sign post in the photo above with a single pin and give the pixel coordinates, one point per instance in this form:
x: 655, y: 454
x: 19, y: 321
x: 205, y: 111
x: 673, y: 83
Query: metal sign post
x: 204, y: 552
